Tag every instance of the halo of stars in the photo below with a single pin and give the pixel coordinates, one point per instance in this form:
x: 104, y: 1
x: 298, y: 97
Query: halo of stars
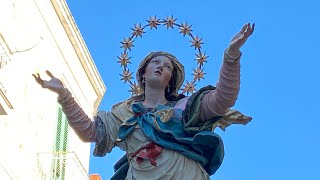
x: 153, y: 22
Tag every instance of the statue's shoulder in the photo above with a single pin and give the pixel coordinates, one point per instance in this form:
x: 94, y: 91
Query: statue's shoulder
x: 181, y: 104
x: 123, y: 110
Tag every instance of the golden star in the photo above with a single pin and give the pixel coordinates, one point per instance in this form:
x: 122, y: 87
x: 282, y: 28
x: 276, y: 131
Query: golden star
x: 126, y: 76
x: 127, y: 43
x: 169, y: 21
x: 124, y: 59
x: 198, y: 73
x: 189, y: 87
x: 185, y: 29
x: 135, y: 89
x: 196, y: 42
x: 137, y: 30
x: 201, y: 58
x: 153, y: 22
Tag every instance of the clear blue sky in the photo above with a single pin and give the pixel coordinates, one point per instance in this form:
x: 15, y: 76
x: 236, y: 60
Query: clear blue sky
x: 279, y: 77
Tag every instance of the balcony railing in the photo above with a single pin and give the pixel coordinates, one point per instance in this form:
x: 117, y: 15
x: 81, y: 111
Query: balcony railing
x: 60, y: 166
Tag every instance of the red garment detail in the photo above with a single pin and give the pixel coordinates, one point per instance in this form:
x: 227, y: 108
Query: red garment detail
x: 152, y: 151
x: 138, y: 114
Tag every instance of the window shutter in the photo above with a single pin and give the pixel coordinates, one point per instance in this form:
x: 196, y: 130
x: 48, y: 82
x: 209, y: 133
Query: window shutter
x: 60, y: 147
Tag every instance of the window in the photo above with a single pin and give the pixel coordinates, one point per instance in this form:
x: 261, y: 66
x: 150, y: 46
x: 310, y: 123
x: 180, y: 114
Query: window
x: 59, y: 162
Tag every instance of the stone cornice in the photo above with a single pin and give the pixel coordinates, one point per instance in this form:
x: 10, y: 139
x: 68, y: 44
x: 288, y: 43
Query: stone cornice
x: 80, y: 48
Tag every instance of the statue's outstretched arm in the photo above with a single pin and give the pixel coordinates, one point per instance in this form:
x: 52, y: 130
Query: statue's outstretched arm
x: 218, y: 101
x: 83, y: 126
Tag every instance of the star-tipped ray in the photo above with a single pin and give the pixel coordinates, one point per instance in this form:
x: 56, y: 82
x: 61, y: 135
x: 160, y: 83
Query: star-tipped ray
x: 201, y: 58
x: 169, y: 22
x: 189, y: 87
x: 126, y: 76
x: 135, y: 89
x: 185, y: 29
x: 137, y: 30
x: 124, y: 60
x: 196, y: 42
x: 198, y: 74
x: 153, y: 22
x: 127, y: 43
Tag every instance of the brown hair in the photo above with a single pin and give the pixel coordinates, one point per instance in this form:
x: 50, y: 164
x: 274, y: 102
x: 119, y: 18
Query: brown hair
x: 170, y: 95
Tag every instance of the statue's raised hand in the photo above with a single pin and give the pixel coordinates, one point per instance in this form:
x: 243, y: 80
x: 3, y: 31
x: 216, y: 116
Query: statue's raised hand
x: 240, y: 38
x: 54, y: 84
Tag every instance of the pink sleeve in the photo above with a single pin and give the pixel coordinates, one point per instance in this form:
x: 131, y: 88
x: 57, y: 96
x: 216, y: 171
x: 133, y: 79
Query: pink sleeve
x: 77, y: 119
x: 217, y: 102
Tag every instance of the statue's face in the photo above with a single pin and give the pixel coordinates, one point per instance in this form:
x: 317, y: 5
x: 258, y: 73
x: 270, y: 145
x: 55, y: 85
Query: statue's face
x: 158, y: 72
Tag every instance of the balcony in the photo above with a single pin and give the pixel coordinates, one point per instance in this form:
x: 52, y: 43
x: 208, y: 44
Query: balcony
x: 60, y: 166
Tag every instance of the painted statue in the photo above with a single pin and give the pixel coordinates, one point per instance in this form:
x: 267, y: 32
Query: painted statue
x: 166, y: 135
